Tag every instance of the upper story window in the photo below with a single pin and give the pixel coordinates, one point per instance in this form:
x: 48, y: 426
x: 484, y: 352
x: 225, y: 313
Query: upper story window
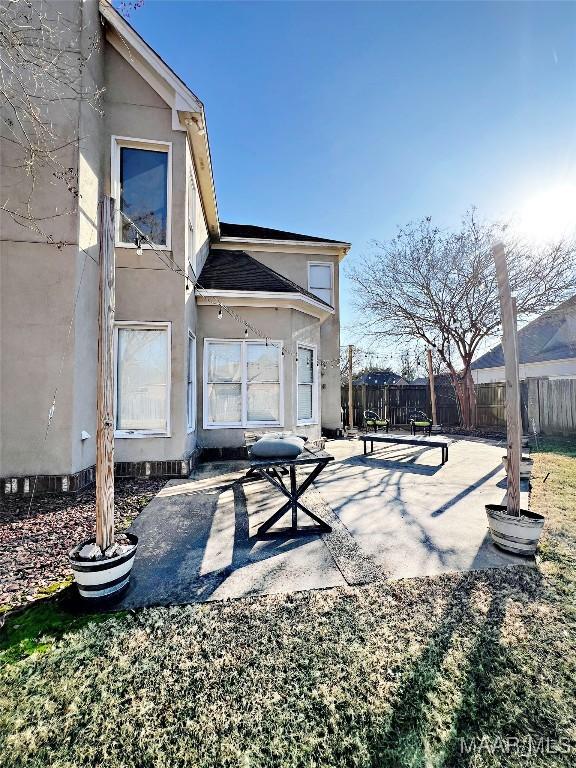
x: 192, y: 255
x: 141, y: 186
x: 321, y: 280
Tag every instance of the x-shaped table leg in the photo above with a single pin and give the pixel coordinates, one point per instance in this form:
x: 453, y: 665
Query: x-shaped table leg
x: 293, y: 494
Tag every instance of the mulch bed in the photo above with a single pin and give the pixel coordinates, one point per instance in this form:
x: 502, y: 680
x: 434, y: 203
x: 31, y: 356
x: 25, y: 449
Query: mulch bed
x: 34, y: 541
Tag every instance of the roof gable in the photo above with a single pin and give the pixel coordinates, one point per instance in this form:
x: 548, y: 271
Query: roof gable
x: 552, y: 336
x: 227, y: 270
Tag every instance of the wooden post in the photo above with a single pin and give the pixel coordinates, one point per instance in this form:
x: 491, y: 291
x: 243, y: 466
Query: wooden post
x: 510, y: 348
x: 432, y: 390
x: 350, y: 395
x: 105, y: 382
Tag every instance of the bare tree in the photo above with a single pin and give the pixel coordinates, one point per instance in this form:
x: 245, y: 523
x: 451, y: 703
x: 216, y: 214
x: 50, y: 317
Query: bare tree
x: 41, y: 82
x: 44, y: 54
x: 439, y: 287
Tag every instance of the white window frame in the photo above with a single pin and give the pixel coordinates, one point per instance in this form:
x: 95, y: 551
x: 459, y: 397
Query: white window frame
x: 191, y: 383
x: 144, y: 326
x: 156, y: 146
x: 191, y: 215
x: 315, y: 389
x: 323, y: 264
x: 243, y: 423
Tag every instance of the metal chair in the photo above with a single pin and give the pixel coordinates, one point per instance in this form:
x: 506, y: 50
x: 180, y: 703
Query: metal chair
x: 420, y: 422
x: 373, y: 420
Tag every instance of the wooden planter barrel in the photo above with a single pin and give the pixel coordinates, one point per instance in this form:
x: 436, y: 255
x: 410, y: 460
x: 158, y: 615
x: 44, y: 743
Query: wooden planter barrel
x: 519, y: 535
x: 103, y: 578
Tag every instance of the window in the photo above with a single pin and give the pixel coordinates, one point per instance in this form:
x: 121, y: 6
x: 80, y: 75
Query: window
x: 192, y: 224
x: 141, y: 186
x: 320, y: 281
x: 142, y: 379
x: 306, y: 396
x: 191, y: 387
x: 242, y: 383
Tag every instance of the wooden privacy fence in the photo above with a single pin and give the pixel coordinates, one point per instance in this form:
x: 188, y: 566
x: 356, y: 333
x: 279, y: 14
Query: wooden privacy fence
x: 547, y: 406
x: 396, y: 402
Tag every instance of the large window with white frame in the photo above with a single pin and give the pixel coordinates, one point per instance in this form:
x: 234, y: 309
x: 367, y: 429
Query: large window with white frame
x: 191, y: 384
x: 142, y: 186
x: 307, y: 386
x: 142, y: 379
x: 242, y: 383
x: 321, y: 281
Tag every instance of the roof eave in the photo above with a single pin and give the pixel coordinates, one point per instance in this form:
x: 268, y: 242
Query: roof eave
x: 288, y: 300
x: 187, y: 109
x: 257, y: 243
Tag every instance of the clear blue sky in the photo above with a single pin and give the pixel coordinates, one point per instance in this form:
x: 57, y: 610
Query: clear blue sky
x: 346, y: 119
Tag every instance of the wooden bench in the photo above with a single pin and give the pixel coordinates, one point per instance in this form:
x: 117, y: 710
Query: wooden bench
x: 378, y: 437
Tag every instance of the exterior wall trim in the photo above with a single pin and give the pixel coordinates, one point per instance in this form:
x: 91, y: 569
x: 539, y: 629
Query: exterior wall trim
x: 268, y: 299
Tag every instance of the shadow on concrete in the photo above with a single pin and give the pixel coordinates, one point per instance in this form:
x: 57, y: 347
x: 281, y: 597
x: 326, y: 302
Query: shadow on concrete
x: 174, y: 536
x: 468, y: 490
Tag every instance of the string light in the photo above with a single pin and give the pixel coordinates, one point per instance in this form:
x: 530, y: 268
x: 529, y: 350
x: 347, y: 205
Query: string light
x: 142, y: 237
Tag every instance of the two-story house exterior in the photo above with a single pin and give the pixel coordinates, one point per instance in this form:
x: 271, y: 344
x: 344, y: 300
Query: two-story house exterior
x: 219, y: 328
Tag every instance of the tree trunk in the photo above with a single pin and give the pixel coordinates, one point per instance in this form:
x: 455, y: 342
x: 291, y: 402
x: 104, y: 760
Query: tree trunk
x: 466, y: 394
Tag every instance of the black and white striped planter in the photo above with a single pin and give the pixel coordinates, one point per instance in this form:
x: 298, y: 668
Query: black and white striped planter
x: 519, y: 535
x: 103, y: 578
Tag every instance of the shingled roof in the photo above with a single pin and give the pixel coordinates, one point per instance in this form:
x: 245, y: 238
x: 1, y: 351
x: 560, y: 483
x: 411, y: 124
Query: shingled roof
x: 252, y: 232
x: 552, y: 336
x: 238, y: 271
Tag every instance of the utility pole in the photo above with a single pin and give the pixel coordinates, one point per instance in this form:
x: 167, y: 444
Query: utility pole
x: 432, y: 389
x: 350, y: 396
x: 510, y: 348
x: 105, y: 381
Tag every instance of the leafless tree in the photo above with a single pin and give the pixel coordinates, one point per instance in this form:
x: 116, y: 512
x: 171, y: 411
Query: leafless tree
x: 41, y: 83
x: 43, y: 58
x: 439, y: 287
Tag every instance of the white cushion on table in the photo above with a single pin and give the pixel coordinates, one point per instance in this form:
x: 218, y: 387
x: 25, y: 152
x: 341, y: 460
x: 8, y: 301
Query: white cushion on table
x: 277, y: 446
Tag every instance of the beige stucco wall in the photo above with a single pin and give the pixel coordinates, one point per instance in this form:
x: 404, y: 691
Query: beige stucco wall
x: 40, y: 351
x: 145, y: 289
x: 287, y: 325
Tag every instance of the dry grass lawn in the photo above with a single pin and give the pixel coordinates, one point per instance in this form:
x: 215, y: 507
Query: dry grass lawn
x: 394, y: 674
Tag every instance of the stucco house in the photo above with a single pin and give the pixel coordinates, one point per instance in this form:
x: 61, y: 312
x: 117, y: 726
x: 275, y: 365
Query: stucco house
x: 546, y: 348
x: 248, y: 339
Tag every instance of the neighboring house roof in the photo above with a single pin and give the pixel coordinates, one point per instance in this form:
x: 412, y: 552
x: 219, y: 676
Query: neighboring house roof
x: 238, y: 271
x: 440, y: 379
x: 552, y: 336
x: 379, y: 378
x: 253, y: 232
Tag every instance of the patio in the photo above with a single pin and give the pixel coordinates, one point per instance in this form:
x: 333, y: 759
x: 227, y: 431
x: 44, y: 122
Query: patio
x: 395, y: 513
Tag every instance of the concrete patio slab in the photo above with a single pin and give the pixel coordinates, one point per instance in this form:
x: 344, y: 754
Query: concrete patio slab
x: 414, y: 516
x: 394, y: 513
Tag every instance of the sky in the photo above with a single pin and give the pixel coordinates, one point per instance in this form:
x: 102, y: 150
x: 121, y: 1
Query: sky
x: 348, y: 119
